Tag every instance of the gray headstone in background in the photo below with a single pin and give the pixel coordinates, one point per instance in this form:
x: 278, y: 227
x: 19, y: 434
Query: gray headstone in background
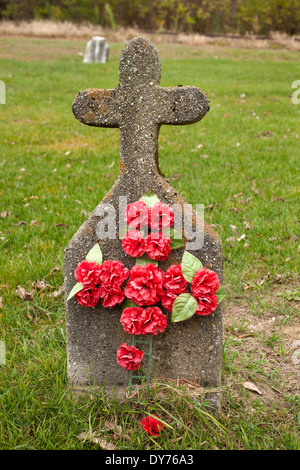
x: 97, y: 50
x: 190, y: 349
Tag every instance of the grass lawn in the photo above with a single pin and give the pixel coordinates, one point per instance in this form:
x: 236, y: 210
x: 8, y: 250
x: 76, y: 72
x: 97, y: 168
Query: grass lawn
x: 241, y: 162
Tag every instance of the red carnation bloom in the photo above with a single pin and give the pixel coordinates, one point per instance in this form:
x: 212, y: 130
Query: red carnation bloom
x: 153, y: 320
x: 161, y: 216
x: 144, y: 285
x: 113, y: 274
x: 132, y: 320
x: 168, y: 299
x: 111, y: 296
x: 88, y: 273
x: 129, y: 357
x: 152, y: 426
x: 158, y: 246
x: 134, y: 244
x: 137, y: 214
x: 173, y: 280
x: 89, y: 296
x: 204, y: 282
x: 207, y: 304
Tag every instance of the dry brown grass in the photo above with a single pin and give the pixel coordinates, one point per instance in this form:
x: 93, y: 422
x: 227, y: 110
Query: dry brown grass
x: 68, y: 30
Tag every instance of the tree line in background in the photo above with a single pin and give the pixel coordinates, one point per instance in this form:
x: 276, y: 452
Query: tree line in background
x: 197, y: 16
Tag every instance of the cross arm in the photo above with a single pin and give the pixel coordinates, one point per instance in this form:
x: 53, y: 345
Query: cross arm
x: 96, y: 107
x: 182, y: 105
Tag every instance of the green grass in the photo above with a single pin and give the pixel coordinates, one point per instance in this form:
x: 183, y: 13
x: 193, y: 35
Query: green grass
x: 54, y: 171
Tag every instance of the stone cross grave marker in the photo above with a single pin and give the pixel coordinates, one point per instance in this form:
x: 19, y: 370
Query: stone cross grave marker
x: 97, y: 50
x: 190, y: 350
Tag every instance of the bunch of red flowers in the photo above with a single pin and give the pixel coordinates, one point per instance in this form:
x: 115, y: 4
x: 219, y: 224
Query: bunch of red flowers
x: 146, y: 286
x: 140, y: 219
x: 103, y: 281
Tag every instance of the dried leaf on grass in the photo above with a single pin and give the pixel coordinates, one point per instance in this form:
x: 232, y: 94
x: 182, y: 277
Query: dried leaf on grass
x: 34, y: 318
x: 21, y: 222
x: 252, y: 387
x: 40, y: 284
x: 1, y: 302
x: 59, y: 292
x: 95, y: 438
x: 23, y: 293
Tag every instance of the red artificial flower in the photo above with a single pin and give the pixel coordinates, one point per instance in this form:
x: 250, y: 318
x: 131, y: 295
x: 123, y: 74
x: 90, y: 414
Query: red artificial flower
x: 204, y: 282
x: 144, y: 285
x: 161, y: 216
x: 111, y: 296
x: 129, y: 357
x: 134, y: 244
x: 88, y: 273
x: 158, y: 246
x: 137, y: 214
x: 152, y: 426
x: 153, y: 320
x: 132, y: 320
x: 168, y: 299
x: 89, y: 296
x: 173, y: 280
x: 207, y: 304
x: 113, y: 274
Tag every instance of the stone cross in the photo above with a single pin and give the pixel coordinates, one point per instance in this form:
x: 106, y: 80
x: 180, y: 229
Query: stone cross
x: 138, y: 106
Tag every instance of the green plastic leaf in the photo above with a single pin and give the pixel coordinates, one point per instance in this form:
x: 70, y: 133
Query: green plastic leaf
x: 129, y: 303
x: 220, y: 294
x: 190, y: 265
x: 77, y: 288
x: 149, y: 198
x: 184, y: 307
x: 143, y: 260
x: 176, y: 239
x: 95, y: 254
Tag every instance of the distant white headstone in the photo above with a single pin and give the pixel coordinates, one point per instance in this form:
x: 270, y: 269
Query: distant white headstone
x: 97, y: 50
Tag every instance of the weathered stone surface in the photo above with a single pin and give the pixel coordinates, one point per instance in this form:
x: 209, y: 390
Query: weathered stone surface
x: 138, y: 107
x: 97, y: 50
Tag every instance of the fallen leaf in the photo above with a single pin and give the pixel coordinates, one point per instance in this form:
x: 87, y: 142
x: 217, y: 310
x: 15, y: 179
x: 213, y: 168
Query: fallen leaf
x: 176, y: 177
x: 21, y: 222
x: 1, y: 302
x: 3, y: 214
x: 34, y: 222
x: 23, y: 293
x: 252, y: 387
x: 61, y: 225
x: 36, y: 317
x: 60, y: 291
x: 40, y: 284
x: 95, y: 438
x: 242, y: 237
x: 113, y: 427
